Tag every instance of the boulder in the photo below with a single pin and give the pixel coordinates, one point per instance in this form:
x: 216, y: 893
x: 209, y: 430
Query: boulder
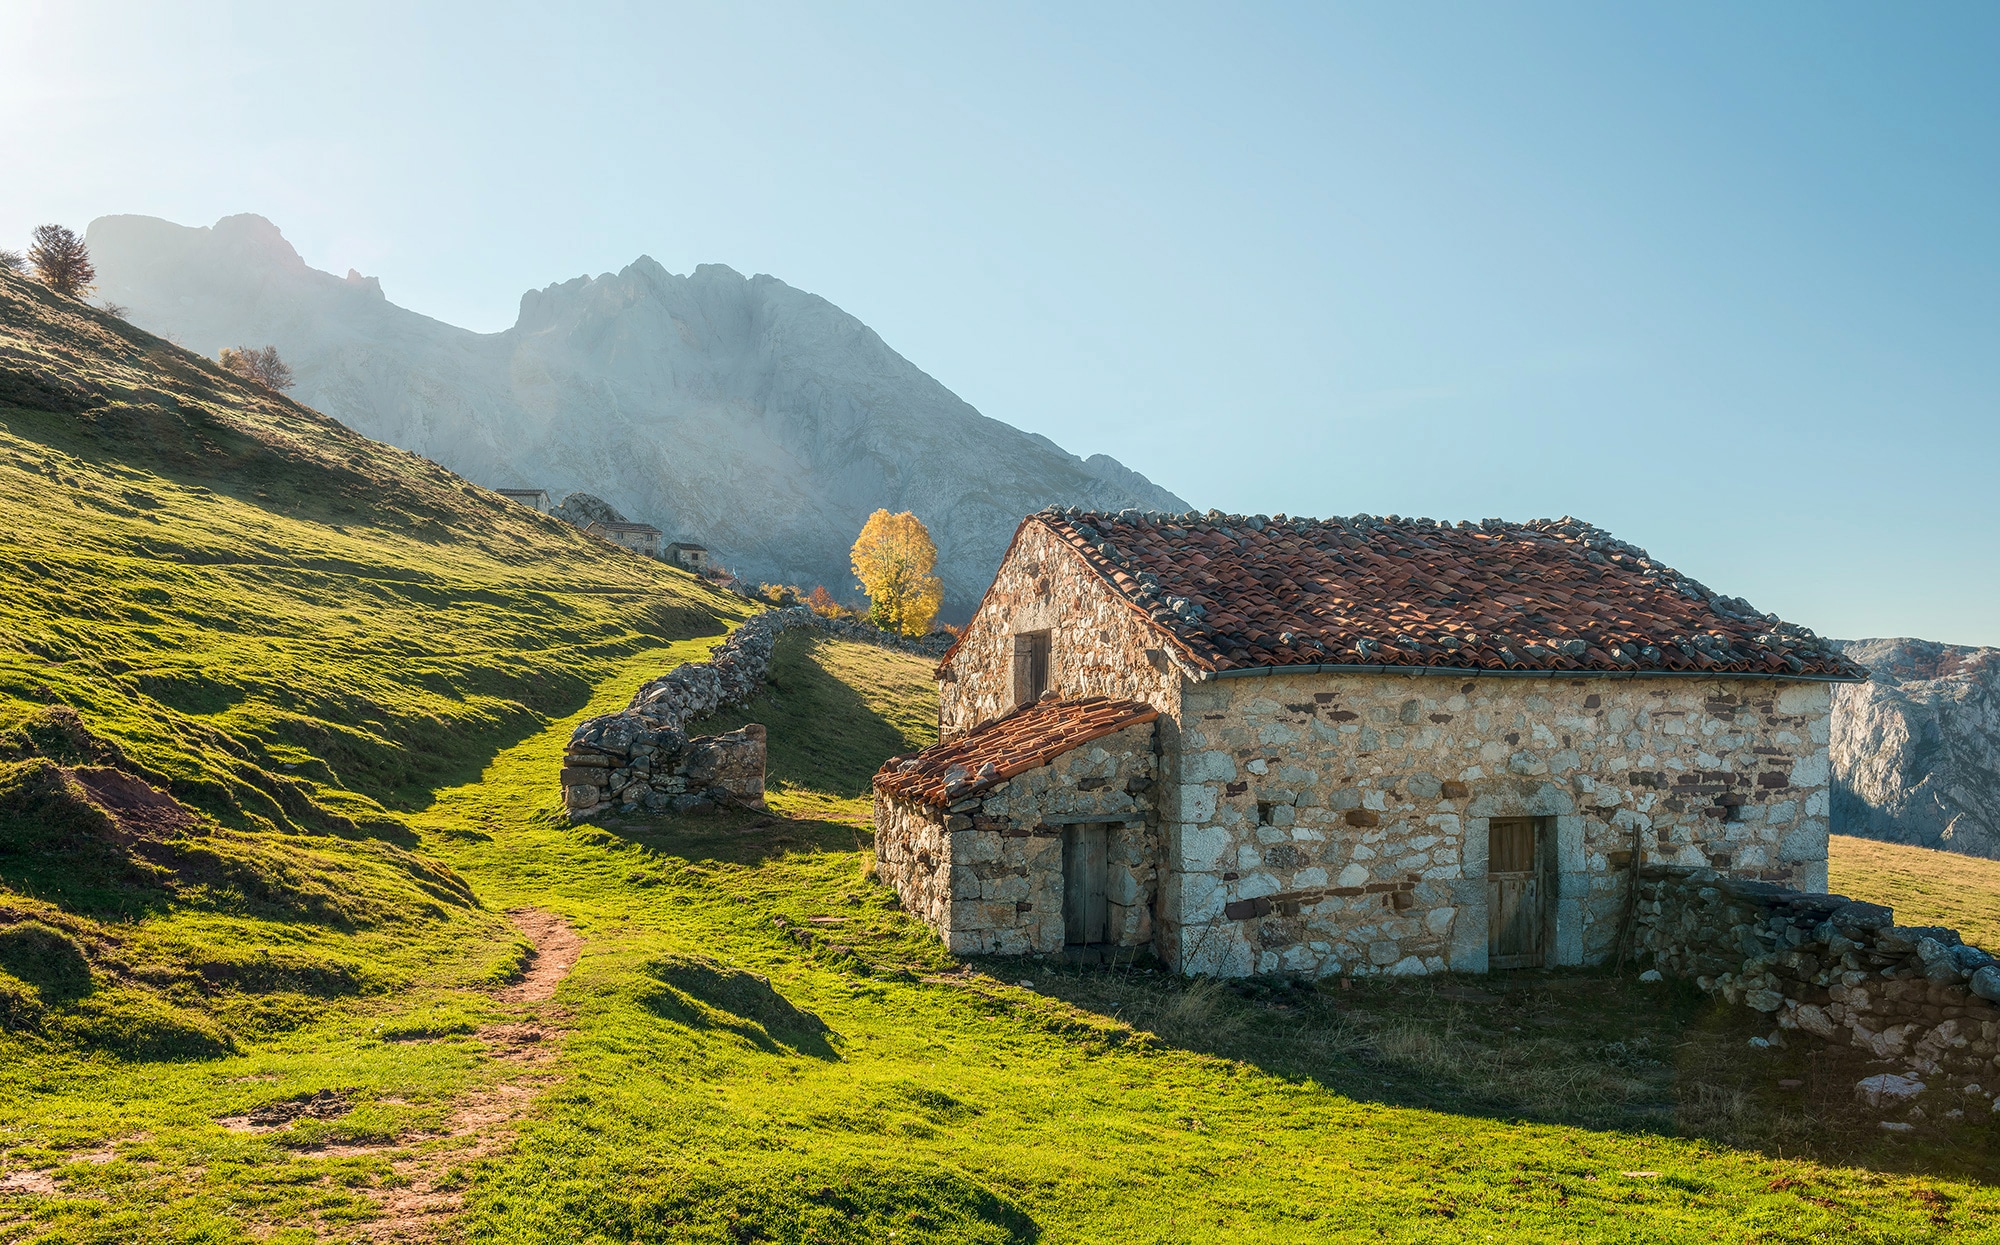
x: 1888, y: 1090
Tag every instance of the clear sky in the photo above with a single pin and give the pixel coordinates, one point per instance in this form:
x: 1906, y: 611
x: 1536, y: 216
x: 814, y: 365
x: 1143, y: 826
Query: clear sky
x: 1724, y: 279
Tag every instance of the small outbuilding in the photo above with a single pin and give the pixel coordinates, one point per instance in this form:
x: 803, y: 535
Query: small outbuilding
x: 533, y: 498
x: 641, y: 538
x: 1349, y: 746
x: 688, y: 557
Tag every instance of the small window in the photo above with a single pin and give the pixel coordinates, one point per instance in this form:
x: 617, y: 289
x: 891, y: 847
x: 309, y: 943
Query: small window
x: 1031, y: 666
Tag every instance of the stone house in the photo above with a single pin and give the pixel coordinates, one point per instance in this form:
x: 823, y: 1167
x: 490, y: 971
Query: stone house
x: 688, y: 557
x: 533, y: 498
x: 642, y: 538
x: 1349, y: 746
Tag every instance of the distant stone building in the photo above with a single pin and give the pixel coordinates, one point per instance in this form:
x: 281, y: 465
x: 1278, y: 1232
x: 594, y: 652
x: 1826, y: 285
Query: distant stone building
x: 688, y: 557
x: 1349, y: 746
x: 641, y: 538
x: 533, y: 498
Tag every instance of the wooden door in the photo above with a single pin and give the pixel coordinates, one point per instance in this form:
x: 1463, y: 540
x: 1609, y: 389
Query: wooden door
x: 1514, y: 892
x: 1031, y: 666
x: 1087, y: 885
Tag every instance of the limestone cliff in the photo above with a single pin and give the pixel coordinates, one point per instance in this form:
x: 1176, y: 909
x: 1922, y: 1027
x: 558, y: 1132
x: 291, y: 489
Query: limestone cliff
x: 754, y: 418
x: 1916, y: 749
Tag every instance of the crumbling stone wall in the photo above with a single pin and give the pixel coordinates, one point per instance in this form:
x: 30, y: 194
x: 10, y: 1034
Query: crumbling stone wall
x: 987, y: 872
x: 1099, y: 645
x: 1337, y: 823
x: 630, y: 767
x: 641, y: 757
x: 1825, y: 965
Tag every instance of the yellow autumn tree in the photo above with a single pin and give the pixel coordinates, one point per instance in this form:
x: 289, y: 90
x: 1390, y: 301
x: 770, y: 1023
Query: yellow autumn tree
x: 893, y: 559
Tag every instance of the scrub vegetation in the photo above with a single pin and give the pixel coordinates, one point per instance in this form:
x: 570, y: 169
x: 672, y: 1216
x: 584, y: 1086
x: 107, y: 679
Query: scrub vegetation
x: 288, y: 912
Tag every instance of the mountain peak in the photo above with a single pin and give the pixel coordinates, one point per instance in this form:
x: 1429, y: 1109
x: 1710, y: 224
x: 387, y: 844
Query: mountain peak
x: 754, y: 417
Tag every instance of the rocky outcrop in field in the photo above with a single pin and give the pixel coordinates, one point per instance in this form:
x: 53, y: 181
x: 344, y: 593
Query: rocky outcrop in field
x: 1916, y: 749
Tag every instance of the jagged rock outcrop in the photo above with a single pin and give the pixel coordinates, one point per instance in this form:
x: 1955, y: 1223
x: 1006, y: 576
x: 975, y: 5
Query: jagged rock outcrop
x: 754, y: 418
x: 583, y: 509
x: 1916, y: 749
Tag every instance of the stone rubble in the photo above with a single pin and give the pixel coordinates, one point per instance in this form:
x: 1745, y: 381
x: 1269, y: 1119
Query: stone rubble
x: 641, y: 758
x: 1834, y: 968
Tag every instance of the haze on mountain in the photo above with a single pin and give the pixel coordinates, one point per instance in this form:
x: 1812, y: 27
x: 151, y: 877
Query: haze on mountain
x: 740, y: 413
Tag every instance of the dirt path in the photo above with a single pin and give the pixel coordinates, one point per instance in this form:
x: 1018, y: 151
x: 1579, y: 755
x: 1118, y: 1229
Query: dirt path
x: 485, y: 1120
x: 556, y: 949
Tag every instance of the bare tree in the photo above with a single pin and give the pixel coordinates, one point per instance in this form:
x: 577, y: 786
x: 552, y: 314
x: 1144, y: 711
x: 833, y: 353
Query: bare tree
x: 115, y: 309
x: 263, y: 366
x: 11, y: 261
x: 61, y: 261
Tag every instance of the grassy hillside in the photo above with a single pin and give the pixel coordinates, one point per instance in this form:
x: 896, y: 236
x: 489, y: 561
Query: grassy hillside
x: 277, y: 821
x: 238, y: 644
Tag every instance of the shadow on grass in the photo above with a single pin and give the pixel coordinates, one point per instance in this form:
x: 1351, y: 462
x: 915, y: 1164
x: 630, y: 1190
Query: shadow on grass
x: 735, y: 837
x: 1581, y: 1048
x: 824, y: 734
x: 702, y: 993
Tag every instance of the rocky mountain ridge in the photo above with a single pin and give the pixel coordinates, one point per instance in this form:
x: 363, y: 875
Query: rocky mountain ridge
x: 739, y: 412
x: 1916, y: 749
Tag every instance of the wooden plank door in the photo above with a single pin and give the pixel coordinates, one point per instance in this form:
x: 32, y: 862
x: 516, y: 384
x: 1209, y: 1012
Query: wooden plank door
x: 1513, y: 893
x: 1087, y: 885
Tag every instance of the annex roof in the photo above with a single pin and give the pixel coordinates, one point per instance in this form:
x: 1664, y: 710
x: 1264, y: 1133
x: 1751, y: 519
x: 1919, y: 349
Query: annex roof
x: 1237, y: 593
x: 996, y: 751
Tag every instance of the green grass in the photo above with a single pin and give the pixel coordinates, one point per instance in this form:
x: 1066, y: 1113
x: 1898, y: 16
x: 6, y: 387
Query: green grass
x: 359, y: 677
x: 835, y: 712
x: 299, y: 636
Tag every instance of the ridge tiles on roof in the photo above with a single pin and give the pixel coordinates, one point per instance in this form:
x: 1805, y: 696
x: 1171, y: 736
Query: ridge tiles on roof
x: 1243, y: 592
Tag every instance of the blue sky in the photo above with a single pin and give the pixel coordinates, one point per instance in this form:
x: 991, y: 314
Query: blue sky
x: 1723, y: 279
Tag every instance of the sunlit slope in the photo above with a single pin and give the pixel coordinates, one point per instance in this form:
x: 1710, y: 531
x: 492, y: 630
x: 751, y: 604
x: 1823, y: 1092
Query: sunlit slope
x: 1924, y: 886
x: 238, y: 640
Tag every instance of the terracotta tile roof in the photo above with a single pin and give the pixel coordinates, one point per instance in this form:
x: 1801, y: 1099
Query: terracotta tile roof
x: 1239, y: 593
x: 998, y: 750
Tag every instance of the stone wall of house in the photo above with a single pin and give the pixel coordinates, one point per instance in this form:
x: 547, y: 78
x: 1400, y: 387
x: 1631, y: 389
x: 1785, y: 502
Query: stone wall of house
x: 631, y: 759
x: 1336, y: 823
x: 987, y: 873
x: 1826, y: 966
x: 1100, y: 646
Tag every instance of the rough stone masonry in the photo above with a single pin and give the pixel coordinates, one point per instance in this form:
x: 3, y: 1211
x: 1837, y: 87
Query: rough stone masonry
x: 642, y: 758
x: 1352, y: 712
x: 1833, y: 968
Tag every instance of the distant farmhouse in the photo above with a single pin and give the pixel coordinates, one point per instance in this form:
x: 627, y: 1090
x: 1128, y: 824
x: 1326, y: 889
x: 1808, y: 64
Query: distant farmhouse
x: 533, y: 498
x: 688, y: 557
x: 642, y: 538
x: 1351, y: 746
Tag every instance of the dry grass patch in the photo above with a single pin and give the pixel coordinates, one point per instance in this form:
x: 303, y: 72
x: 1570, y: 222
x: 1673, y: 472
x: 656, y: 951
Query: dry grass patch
x: 1924, y: 886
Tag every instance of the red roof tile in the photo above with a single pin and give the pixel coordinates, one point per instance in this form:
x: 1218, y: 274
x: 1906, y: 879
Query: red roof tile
x: 1553, y: 594
x: 999, y: 750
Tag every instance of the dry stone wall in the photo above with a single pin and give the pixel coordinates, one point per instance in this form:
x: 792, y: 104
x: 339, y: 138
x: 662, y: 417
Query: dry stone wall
x: 1825, y: 965
x: 641, y: 757
x: 1338, y: 823
x: 987, y: 872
